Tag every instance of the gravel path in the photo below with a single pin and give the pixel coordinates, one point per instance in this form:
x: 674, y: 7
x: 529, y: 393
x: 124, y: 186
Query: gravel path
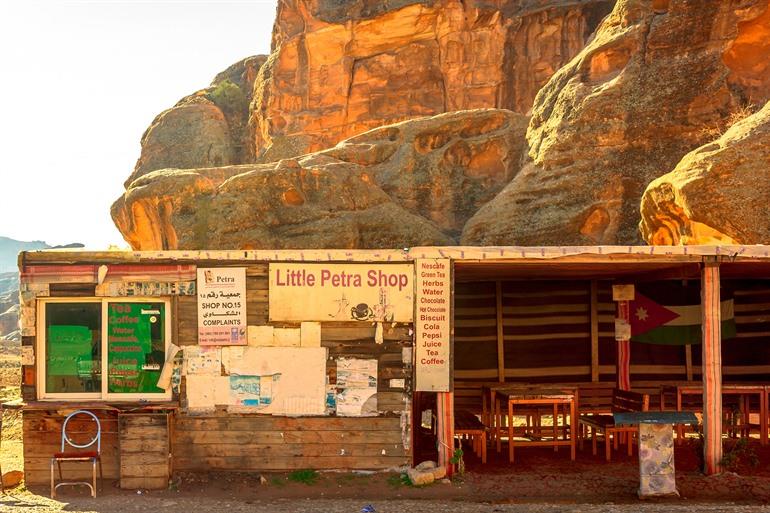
x: 29, y: 503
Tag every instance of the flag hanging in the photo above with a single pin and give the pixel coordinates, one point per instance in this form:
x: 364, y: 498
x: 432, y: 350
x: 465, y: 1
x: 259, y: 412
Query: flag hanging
x: 652, y: 323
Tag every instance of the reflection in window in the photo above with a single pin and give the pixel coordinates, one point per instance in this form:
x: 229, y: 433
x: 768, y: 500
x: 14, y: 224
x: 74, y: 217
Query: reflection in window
x: 73, y: 333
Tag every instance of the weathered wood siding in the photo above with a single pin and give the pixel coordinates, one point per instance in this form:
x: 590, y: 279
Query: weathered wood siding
x: 145, y: 450
x: 266, y: 443
x: 229, y: 441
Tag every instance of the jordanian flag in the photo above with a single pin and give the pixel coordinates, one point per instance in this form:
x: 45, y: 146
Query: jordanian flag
x: 652, y: 323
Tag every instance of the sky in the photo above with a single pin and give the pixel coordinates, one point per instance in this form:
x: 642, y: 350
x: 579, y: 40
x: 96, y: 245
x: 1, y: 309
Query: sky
x: 81, y: 80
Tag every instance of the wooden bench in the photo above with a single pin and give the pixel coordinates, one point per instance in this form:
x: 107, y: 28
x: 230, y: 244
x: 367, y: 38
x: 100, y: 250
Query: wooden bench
x: 468, y: 425
x: 622, y: 401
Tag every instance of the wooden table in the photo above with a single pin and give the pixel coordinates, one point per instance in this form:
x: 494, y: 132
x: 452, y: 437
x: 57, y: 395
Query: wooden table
x: 744, y: 391
x: 541, y: 397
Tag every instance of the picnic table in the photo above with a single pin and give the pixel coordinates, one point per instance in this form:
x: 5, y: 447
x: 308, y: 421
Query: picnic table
x: 554, y: 398
x: 744, y: 393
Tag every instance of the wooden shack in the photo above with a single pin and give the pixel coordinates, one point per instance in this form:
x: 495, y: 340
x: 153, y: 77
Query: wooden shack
x: 324, y: 359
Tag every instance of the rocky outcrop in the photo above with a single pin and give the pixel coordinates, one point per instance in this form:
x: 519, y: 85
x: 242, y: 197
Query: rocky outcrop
x: 339, y: 68
x: 717, y: 194
x: 412, y: 183
x: 206, y: 129
x: 653, y: 84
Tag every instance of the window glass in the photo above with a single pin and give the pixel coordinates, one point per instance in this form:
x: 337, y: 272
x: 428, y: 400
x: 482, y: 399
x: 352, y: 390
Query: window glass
x: 73, y: 337
x: 136, y: 347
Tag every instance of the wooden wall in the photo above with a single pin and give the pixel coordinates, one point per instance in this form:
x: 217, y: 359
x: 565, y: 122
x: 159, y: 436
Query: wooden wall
x: 225, y: 441
x: 265, y: 443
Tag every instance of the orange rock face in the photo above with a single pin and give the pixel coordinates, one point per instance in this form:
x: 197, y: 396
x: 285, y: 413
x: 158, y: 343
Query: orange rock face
x: 339, y: 68
x: 207, y: 128
x: 717, y: 194
x: 412, y: 183
x: 657, y: 81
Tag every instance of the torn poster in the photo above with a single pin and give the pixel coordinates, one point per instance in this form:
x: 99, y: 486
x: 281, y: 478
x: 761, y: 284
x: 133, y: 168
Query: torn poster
x: 356, y: 373
x: 253, y: 391
x: 356, y: 387
x: 164, y: 380
x: 357, y: 402
x: 301, y: 389
x: 203, y: 360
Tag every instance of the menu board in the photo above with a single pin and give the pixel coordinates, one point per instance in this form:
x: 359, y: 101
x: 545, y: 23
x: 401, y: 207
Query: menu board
x: 222, y: 306
x: 432, y: 328
x: 135, y: 347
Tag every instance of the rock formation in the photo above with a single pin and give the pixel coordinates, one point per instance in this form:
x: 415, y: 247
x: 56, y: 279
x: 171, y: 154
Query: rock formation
x: 339, y: 68
x: 412, y: 183
x: 652, y: 85
x: 205, y: 129
x: 718, y: 194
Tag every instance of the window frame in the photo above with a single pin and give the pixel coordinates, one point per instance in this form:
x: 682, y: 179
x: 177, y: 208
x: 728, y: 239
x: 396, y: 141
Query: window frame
x: 103, y: 395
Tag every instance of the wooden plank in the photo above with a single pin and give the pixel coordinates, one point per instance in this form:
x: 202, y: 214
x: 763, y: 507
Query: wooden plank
x: 182, y: 438
x: 594, y: 331
x: 294, y: 450
x: 500, y: 335
x: 246, y: 463
x: 268, y: 423
x: 144, y: 483
x: 688, y: 361
x: 128, y: 446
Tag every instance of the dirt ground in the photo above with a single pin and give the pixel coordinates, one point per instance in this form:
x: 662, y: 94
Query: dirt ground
x: 540, y: 481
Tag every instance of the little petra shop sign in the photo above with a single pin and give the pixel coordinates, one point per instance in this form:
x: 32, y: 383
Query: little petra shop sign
x: 419, y: 293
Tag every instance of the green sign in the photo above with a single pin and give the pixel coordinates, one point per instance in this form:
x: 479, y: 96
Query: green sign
x: 135, y: 347
x: 69, y: 351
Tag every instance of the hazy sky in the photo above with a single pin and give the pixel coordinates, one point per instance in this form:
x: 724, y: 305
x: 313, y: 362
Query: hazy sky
x: 80, y: 82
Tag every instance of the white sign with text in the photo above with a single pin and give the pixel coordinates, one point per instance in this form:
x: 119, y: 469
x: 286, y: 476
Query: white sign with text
x: 222, y: 306
x: 341, y: 292
x: 432, y: 327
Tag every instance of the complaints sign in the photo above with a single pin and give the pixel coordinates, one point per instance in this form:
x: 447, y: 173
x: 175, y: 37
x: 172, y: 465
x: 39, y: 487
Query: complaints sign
x: 432, y: 327
x: 222, y: 306
x: 341, y: 292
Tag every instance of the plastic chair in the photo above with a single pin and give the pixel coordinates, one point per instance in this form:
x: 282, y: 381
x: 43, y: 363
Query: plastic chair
x: 93, y: 456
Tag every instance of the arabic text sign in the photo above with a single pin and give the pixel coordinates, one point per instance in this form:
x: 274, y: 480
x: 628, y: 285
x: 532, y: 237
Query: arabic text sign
x: 222, y: 306
x: 341, y: 292
x: 432, y: 329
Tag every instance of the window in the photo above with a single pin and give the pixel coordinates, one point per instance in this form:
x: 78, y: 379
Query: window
x: 80, y: 338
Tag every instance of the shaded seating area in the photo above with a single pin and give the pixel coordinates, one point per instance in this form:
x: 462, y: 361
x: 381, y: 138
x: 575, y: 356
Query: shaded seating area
x: 604, y: 424
x: 541, y: 328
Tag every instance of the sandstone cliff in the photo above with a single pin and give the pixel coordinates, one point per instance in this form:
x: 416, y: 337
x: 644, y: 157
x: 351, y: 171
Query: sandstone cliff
x: 652, y: 85
x: 339, y: 68
x: 207, y: 128
x: 717, y: 194
x: 412, y: 183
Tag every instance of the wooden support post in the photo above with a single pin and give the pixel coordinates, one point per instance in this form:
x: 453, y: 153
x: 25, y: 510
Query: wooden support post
x: 594, y: 331
x: 500, y: 335
x: 445, y: 413
x: 624, y: 351
x: 688, y: 361
x: 712, y: 367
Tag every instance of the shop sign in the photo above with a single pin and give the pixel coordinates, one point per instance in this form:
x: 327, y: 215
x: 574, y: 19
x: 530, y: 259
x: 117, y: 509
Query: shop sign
x: 341, y: 292
x: 222, y: 306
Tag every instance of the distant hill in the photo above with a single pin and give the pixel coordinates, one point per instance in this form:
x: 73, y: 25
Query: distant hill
x: 9, y: 284
x: 10, y: 248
